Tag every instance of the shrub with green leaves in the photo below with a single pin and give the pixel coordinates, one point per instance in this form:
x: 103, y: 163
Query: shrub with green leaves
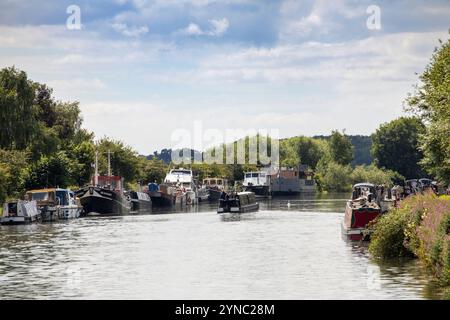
x: 420, y: 226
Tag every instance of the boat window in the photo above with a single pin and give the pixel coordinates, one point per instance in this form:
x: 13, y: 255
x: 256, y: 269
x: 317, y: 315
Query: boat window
x: 262, y: 175
x: 62, y: 196
x: 12, y: 208
x: 248, y: 175
x: 212, y: 181
x: 181, y: 172
x: 255, y: 175
x: 219, y: 182
x: 40, y: 196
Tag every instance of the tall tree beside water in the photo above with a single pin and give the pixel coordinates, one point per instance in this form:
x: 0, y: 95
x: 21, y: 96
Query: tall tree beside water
x: 341, y: 148
x: 17, y: 112
x: 395, y: 146
x: 431, y: 101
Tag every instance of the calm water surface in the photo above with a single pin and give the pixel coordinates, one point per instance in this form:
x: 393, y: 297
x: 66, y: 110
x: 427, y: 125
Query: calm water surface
x: 284, y: 251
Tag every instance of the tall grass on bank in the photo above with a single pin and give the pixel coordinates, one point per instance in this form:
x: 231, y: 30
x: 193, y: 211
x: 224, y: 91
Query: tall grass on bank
x: 419, y: 227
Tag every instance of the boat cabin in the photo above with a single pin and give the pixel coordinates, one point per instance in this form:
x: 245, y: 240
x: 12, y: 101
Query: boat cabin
x: 218, y: 183
x: 180, y: 176
x: 364, y: 190
x: 114, y: 183
x: 259, y: 178
x: 45, y: 197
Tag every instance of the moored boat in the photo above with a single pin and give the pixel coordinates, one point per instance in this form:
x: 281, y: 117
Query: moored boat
x: 140, y: 202
x: 258, y: 182
x: 202, y: 194
x: 106, y: 197
x: 55, y: 203
x: 360, y: 210
x: 215, y: 187
x: 237, y: 203
x: 19, y: 212
x: 181, y: 184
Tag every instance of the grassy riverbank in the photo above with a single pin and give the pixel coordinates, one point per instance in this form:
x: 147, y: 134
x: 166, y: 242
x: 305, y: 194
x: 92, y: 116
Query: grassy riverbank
x: 418, y: 228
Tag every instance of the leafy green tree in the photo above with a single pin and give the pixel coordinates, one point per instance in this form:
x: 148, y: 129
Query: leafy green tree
x: 304, y: 150
x: 68, y: 120
x: 53, y: 171
x: 288, y: 154
x: 431, y: 101
x: 333, y: 176
x: 82, y: 159
x: 46, y: 106
x: 341, y: 148
x: 375, y: 175
x: 4, y: 176
x: 395, y: 146
x: 17, y: 112
x: 153, y: 170
x: 124, y: 160
x: 13, y: 166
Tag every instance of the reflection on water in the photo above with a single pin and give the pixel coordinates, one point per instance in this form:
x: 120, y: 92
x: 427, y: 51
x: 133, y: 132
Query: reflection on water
x: 284, y: 251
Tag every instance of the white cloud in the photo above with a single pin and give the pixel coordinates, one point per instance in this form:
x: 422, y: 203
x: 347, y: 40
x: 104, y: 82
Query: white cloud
x: 218, y: 28
x: 124, y: 29
x: 193, y: 30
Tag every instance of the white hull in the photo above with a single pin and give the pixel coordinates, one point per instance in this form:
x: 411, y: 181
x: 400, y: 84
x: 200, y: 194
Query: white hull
x: 69, y: 212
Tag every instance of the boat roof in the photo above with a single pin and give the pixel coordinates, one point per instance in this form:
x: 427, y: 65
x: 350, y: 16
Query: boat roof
x: 47, y: 190
x: 245, y: 193
x: 364, y: 184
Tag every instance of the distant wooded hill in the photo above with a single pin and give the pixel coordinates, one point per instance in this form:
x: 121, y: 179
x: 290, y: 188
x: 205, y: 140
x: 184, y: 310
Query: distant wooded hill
x: 361, y: 143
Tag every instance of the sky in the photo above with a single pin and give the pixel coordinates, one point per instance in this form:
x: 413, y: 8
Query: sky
x: 141, y: 69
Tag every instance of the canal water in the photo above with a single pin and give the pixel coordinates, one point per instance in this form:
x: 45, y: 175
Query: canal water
x: 291, y: 249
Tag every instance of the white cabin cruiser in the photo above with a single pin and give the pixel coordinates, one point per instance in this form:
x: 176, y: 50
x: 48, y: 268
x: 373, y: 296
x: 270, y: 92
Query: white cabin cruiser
x: 184, y: 181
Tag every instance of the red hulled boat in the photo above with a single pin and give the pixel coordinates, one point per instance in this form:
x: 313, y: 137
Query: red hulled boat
x: 360, y: 210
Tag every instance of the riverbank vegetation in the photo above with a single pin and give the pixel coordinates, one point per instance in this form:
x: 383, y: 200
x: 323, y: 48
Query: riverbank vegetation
x: 420, y: 228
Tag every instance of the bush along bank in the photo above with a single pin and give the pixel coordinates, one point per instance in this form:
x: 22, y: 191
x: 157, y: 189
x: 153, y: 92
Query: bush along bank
x: 419, y: 227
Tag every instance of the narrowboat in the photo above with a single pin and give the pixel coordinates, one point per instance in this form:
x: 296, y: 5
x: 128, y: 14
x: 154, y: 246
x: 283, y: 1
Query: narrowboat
x: 19, y: 212
x: 360, y: 210
x: 237, y: 203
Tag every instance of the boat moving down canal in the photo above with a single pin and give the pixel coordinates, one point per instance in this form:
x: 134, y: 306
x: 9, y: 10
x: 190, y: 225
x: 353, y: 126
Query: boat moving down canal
x: 237, y: 203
